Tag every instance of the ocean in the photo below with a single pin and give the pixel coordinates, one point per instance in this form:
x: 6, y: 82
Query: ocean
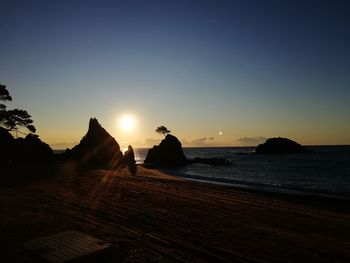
x: 326, y: 171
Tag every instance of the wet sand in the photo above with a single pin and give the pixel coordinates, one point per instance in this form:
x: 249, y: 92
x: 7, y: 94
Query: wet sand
x: 154, y: 217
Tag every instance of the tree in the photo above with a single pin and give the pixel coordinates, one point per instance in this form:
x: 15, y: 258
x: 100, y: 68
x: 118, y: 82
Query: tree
x: 11, y: 119
x: 16, y: 117
x: 163, y: 130
x: 4, y: 96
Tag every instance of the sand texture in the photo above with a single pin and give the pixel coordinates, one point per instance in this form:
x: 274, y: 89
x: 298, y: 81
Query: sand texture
x: 153, y: 217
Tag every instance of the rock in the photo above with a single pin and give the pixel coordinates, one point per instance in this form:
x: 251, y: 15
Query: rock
x: 129, y: 160
x: 211, y: 161
x: 280, y: 146
x: 32, y: 150
x: 24, y: 158
x: 168, y: 153
x: 97, y: 149
x: 24, y: 150
x: 7, y: 144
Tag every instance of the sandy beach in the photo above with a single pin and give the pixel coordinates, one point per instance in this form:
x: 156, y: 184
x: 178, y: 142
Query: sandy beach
x: 155, y: 217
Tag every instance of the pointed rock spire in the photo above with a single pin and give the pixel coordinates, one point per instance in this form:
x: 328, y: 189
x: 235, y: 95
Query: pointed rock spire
x: 97, y: 149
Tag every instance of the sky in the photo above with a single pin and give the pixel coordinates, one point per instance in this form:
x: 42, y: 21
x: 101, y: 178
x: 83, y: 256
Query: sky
x: 215, y: 73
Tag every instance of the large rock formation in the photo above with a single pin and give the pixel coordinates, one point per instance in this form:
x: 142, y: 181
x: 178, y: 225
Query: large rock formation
x: 29, y: 149
x: 168, y: 153
x: 7, y: 146
x: 97, y: 149
x: 24, y: 157
x: 280, y: 146
x: 32, y: 150
x: 129, y: 160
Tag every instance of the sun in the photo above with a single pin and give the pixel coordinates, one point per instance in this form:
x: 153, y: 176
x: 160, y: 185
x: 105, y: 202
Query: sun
x: 127, y: 122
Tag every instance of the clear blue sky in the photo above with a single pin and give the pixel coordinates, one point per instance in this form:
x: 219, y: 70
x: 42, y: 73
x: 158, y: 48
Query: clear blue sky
x: 248, y: 69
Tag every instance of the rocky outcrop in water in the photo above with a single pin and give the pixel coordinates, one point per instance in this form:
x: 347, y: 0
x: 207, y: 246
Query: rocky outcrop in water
x: 280, y: 146
x: 168, y: 153
x: 97, y: 149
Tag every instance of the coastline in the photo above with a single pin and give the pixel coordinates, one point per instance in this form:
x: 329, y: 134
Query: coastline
x: 241, y: 185
x: 159, y: 217
x: 256, y: 187
x: 314, y: 199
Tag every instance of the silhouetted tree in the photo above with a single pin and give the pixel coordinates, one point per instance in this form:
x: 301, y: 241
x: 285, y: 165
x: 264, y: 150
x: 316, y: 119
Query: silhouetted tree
x: 163, y: 130
x: 4, y: 96
x: 16, y: 117
x: 10, y: 119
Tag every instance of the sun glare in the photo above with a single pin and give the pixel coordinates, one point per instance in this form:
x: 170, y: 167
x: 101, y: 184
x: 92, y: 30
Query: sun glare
x: 127, y: 122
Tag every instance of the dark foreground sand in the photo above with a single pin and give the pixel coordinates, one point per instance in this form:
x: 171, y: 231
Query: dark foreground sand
x: 155, y: 217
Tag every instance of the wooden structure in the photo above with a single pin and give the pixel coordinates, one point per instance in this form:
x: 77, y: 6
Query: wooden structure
x: 68, y: 246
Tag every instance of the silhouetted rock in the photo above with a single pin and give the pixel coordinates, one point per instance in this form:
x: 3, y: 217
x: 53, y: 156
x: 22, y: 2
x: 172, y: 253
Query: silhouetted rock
x: 31, y: 149
x: 24, y: 158
x: 168, y: 153
x: 280, y: 146
x: 97, y: 149
x: 7, y: 145
x: 211, y: 161
x: 129, y: 160
x: 22, y: 150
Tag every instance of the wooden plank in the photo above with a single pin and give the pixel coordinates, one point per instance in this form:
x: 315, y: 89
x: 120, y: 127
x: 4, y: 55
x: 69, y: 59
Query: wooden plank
x: 66, y: 246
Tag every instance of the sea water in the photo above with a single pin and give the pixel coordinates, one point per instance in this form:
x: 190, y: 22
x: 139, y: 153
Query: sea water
x: 325, y: 171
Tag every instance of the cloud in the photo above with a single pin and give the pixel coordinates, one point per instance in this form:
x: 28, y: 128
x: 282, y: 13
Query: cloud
x: 200, y: 142
x: 251, y: 141
x: 150, y: 142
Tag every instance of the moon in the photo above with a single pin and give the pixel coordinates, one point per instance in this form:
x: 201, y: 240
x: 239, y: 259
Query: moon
x: 127, y: 122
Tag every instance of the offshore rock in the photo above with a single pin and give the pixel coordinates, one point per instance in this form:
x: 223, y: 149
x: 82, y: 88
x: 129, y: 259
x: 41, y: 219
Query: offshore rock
x: 168, y: 153
x: 280, y: 146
